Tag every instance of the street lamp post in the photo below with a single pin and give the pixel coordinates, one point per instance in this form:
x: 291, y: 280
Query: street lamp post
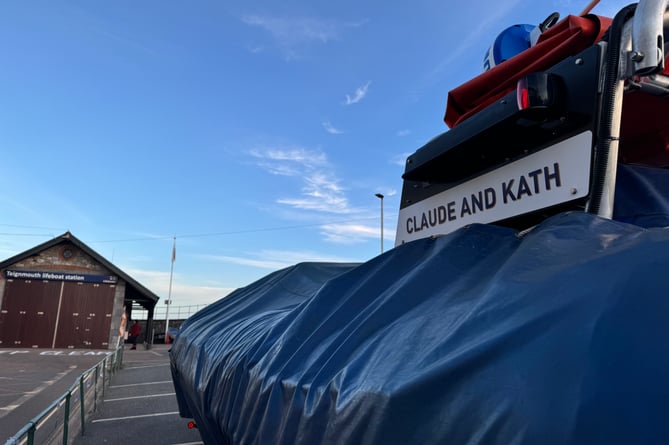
x: 380, y: 196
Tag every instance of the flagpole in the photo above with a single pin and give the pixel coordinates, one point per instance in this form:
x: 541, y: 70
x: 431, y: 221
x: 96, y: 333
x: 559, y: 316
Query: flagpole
x: 169, y: 292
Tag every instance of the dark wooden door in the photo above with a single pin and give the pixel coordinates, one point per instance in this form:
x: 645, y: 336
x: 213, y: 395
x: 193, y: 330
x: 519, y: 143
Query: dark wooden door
x: 85, y: 316
x: 28, y: 314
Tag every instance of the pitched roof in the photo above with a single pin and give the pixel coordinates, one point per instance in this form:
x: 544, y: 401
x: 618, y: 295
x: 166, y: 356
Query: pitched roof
x: 133, y: 291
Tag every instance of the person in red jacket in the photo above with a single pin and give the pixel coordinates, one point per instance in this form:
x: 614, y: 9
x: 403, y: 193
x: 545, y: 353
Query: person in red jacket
x: 135, y: 329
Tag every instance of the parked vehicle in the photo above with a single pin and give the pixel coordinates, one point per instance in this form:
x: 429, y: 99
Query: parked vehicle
x: 525, y: 298
x: 159, y: 337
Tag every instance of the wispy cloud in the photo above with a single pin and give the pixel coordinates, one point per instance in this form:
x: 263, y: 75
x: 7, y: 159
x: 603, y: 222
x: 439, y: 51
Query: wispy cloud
x: 321, y: 196
x: 403, y: 133
x: 288, y: 161
x: 309, y: 158
x: 359, y: 94
x: 349, y: 233
x: 331, y: 129
x: 320, y: 192
x: 276, y: 259
x: 292, y: 34
x: 354, y: 233
x: 255, y: 49
x: 400, y: 159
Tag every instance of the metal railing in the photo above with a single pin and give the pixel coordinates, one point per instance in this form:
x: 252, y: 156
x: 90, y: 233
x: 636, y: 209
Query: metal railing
x: 66, y: 416
x: 176, y: 312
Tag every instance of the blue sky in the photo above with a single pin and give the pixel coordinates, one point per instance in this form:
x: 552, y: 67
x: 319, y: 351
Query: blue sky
x: 257, y: 133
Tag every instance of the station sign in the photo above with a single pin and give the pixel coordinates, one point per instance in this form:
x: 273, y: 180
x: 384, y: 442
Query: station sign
x: 59, y: 276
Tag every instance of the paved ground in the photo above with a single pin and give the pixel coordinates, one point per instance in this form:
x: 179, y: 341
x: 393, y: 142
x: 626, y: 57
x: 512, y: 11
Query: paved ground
x: 31, y: 379
x: 140, y: 406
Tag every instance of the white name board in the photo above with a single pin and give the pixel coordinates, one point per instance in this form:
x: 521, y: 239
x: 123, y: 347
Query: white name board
x: 557, y: 174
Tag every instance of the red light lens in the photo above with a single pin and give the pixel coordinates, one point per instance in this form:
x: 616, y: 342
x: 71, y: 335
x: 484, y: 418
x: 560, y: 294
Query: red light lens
x: 191, y: 425
x: 522, y: 94
x: 538, y: 90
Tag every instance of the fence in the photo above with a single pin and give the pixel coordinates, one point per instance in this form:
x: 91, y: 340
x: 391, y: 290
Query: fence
x: 66, y: 417
x: 176, y: 312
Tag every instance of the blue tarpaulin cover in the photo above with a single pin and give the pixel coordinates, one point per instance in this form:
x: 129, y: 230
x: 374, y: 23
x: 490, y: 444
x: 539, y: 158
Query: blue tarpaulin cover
x: 483, y: 336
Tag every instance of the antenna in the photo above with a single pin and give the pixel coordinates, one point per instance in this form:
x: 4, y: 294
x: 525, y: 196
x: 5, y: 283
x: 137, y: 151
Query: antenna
x: 588, y: 8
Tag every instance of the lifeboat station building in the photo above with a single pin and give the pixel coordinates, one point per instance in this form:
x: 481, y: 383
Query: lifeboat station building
x: 64, y: 295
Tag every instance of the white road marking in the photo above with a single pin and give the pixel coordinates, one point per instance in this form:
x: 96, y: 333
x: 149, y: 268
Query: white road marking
x: 10, y: 394
x: 143, y: 367
x: 113, y: 419
x: 139, y: 397
x: 29, y: 394
x: 8, y: 408
x: 141, y: 384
